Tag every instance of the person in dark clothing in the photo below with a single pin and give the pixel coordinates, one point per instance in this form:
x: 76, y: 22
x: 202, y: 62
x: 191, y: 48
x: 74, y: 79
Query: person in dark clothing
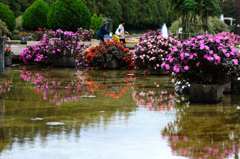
x: 103, y: 30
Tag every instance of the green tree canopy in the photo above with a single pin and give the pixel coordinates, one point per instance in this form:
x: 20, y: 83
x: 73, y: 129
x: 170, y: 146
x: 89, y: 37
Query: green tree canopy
x: 228, y: 8
x: 190, y: 9
x: 7, y: 16
x: 36, y: 16
x: 69, y: 15
x: 215, y: 26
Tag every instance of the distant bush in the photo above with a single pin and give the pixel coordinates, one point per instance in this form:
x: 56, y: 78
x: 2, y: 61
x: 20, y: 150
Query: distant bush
x: 216, y: 27
x: 35, y: 16
x: 19, y: 23
x: 4, y: 28
x: 233, y: 29
x: 15, y: 35
x: 96, y: 22
x: 69, y: 15
x: 7, y: 16
x: 219, y: 26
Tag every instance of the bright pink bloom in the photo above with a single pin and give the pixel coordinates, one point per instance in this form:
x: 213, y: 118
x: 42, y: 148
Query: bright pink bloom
x: 235, y: 61
x: 167, y: 67
x: 197, y: 64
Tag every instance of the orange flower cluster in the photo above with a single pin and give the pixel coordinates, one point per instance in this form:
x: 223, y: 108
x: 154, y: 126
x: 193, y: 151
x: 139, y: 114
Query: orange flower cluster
x: 100, y: 55
x: 24, y: 34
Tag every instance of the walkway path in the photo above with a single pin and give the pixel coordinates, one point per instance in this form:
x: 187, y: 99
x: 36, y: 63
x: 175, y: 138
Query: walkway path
x: 18, y: 48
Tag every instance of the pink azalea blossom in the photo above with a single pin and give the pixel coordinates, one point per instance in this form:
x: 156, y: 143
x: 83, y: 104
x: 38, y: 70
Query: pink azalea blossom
x: 197, y: 64
x: 227, y: 54
x: 235, y: 61
x: 167, y: 67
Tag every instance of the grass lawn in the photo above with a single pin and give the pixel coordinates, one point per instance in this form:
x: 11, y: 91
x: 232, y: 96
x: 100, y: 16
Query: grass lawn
x: 130, y: 44
x: 138, y: 31
x: 15, y: 41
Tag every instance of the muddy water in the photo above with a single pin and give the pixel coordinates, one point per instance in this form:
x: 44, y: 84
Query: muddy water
x: 97, y: 114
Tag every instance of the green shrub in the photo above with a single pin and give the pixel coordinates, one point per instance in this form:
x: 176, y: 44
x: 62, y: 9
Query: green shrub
x: 7, y: 16
x: 69, y: 15
x: 4, y: 28
x: 19, y: 23
x: 233, y: 29
x: 100, y: 21
x: 35, y: 16
x: 15, y: 35
x: 96, y: 23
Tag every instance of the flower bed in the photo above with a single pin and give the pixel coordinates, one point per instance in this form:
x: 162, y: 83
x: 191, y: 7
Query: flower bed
x: 63, y: 45
x: 206, y: 59
x: 102, y: 55
x: 153, y: 49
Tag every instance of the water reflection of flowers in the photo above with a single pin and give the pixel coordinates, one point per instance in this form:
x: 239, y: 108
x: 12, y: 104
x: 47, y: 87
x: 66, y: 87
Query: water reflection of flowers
x: 183, y: 145
x: 153, y: 101
x: 110, y: 89
x: 5, y: 86
x: 155, y: 98
x: 57, y: 91
x: 189, y: 138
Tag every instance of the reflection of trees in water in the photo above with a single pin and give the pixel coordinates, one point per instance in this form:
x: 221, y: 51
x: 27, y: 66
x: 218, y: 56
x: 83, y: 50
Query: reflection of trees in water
x: 203, y: 131
x: 25, y: 103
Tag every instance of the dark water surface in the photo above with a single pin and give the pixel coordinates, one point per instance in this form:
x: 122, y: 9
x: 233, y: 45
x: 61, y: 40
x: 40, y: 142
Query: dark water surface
x: 98, y: 114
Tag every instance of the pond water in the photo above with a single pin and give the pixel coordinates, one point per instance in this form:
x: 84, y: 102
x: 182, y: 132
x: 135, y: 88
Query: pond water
x: 104, y: 114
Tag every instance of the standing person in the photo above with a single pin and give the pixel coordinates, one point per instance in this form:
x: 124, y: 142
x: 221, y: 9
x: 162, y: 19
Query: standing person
x: 103, y: 30
x: 122, y: 31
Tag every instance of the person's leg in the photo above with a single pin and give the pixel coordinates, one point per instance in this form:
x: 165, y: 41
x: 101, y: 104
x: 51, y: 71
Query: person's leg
x: 100, y: 38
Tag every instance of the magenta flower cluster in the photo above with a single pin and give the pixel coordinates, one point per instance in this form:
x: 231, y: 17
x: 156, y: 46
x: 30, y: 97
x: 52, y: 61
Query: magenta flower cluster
x: 57, y: 44
x: 153, y: 49
x: 206, y: 59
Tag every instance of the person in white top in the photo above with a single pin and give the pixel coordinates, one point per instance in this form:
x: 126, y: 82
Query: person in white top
x: 122, y: 31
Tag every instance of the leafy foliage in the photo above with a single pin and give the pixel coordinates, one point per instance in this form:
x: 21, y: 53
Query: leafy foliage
x: 192, y: 59
x: 7, y: 16
x: 57, y: 44
x: 228, y: 8
x: 100, y: 20
x: 135, y: 12
x: 152, y: 50
x: 233, y: 29
x: 103, y: 54
x: 36, y: 16
x: 38, y: 34
x: 69, y: 15
x: 215, y: 25
x: 95, y: 24
x: 190, y: 9
x: 15, y: 34
x: 3, y: 27
x: 19, y: 23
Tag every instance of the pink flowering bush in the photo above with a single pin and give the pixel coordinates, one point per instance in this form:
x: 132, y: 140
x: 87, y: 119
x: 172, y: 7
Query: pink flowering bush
x: 206, y: 59
x: 85, y: 35
x: 58, y: 44
x: 234, y: 39
x: 153, y: 49
x: 38, y: 34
